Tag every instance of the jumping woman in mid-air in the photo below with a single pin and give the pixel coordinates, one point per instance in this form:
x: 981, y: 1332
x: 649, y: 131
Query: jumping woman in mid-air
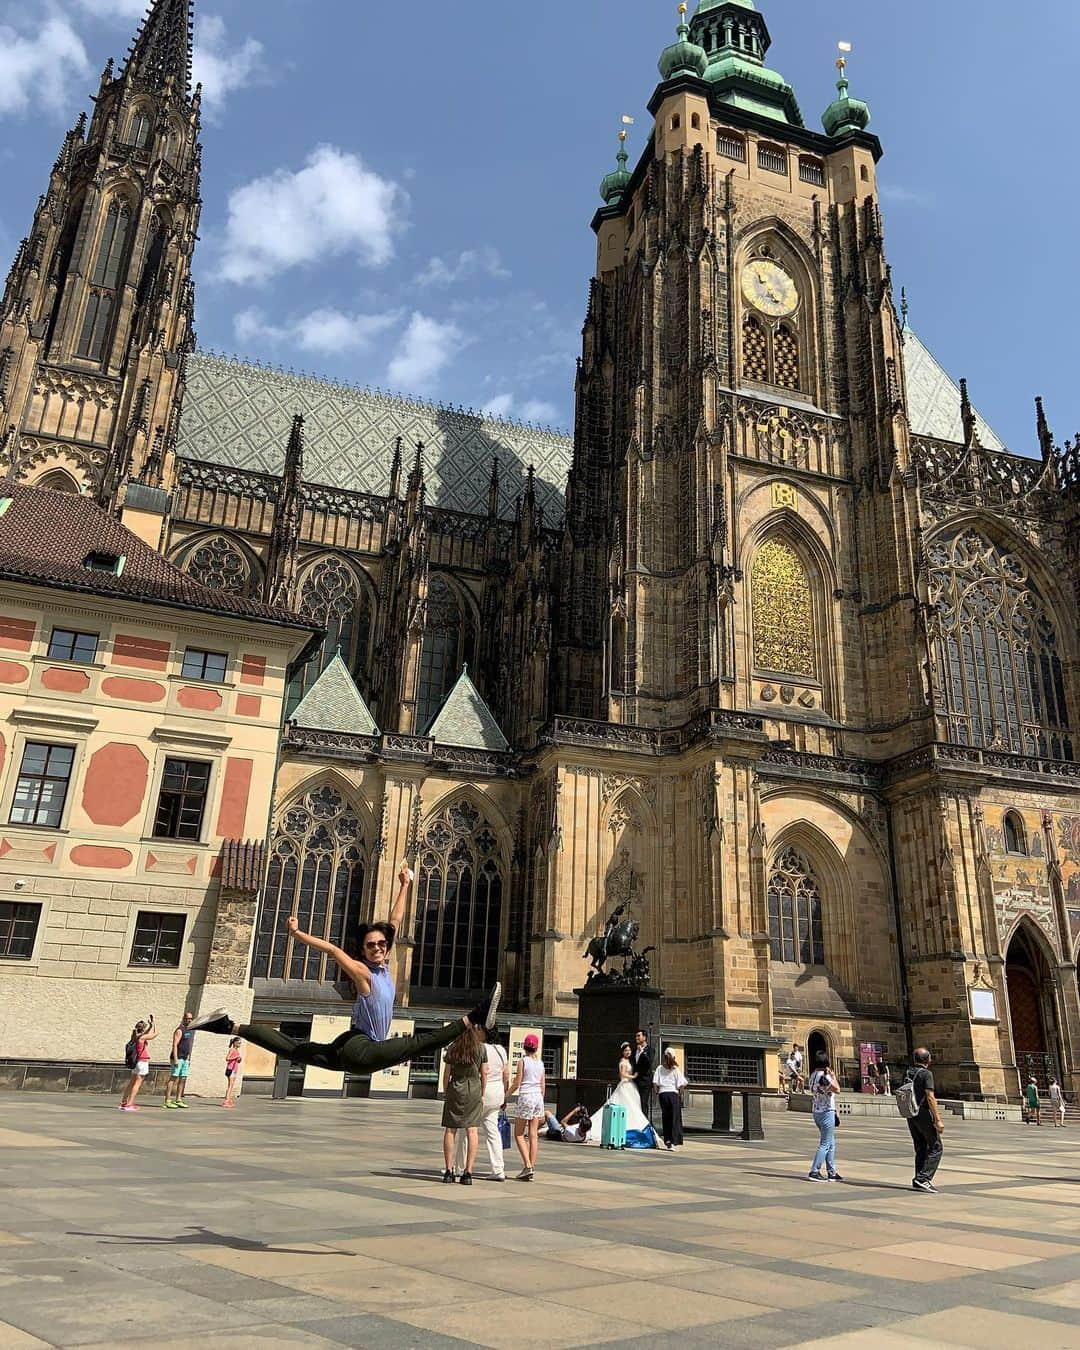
x: 365, y: 1047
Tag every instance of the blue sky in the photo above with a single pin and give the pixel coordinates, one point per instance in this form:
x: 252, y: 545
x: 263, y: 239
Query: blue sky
x: 400, y: 194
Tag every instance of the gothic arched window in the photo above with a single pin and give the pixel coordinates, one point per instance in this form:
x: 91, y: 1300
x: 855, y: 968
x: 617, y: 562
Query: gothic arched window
x: 783, y: 611
x: 105, y: 279
x: 794, y: 895
x: 755, y: 350
x: 1015, y: 834
x: 785, y: 358
x: 997, y: 665
x: 220, y: 565
x: 442, y: 651
x: 458, y: 904
x: 332, y: 595
x: 140, y: 129
x: 316, y: 873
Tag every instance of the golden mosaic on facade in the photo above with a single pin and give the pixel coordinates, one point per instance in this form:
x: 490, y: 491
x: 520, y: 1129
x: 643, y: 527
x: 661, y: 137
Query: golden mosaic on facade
x: 783, y: 610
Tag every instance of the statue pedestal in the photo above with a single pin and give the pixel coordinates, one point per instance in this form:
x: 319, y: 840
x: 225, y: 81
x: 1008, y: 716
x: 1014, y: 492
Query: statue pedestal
x: 608, y: 1014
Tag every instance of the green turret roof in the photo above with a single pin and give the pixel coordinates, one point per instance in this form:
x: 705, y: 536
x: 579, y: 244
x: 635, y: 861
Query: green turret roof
x: 683, y: 57
x: 465, y: 720
x: 614, y: 183
x: 736, y: 39
x: 333, y: 703
x: 845, y: 114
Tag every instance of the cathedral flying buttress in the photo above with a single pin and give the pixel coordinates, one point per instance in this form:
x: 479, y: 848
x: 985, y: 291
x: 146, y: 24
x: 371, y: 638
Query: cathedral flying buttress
x: 780, y: 645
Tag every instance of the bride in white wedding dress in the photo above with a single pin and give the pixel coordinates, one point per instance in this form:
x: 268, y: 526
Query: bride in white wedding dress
x: 639, y: 1133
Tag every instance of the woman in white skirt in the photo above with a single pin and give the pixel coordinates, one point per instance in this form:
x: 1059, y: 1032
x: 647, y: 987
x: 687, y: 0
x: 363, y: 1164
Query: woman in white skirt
x: 529, y: 1084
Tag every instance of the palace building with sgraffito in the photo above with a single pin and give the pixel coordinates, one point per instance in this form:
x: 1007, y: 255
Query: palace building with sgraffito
x: 780, y: 645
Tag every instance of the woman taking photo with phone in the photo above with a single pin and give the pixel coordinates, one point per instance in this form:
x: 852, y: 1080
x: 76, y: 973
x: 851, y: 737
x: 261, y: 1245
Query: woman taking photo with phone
x: 824, y: 1090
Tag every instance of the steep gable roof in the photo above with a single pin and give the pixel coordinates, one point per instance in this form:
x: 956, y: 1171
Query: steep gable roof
x: 333, y: 703
x: 934, y: 397
x: 465, y: 720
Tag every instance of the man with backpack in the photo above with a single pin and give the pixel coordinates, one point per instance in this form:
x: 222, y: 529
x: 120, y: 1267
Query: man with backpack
x: 916, y: 1102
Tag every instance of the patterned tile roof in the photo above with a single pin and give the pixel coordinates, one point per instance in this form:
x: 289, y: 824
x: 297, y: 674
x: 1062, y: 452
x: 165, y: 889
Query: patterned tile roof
x: 465, y: 720
x: 934, y: 398
x: 47, y: 537
x: 333, y: 703
x: 239, y: 414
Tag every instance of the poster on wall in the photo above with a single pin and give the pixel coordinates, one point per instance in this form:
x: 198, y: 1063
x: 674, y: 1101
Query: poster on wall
x: 517, y: 1045
x: 394, y: 1081
x: 873, y: 1072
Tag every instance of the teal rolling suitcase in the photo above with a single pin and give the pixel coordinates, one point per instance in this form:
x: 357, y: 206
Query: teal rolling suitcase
x: 613, y: 1127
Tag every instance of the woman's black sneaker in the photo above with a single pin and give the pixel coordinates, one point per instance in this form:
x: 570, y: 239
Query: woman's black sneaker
x: 466, y: 1178
x: 448, y: 1176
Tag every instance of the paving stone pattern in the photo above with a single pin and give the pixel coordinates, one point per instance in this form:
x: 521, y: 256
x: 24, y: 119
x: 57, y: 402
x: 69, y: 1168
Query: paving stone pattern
x: 306, y: 1223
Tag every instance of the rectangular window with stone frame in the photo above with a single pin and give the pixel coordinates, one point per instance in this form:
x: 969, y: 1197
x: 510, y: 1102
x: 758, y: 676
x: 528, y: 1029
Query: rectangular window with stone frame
x: 158, y: 940
x: 18, y: 929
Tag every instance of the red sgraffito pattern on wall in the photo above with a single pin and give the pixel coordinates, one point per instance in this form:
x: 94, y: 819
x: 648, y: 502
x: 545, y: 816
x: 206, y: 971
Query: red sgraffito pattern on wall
x: 140, y: 653
x: 3, y: 752
x: 252, y: 669
x: 115, y: 784
x: 64, y: 681
x: 133, y: 691
x: 235, y: 787
x: 11, y: 672
x: 248, y: 705
x: 200, y: 700
x: 97, y: 855
x: 17, y: 635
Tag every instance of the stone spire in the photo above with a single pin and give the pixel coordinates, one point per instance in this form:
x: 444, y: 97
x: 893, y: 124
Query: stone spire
x: 285, y: 530
x: 162, y: 47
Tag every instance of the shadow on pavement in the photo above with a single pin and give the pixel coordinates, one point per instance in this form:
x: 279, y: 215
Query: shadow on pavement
x: 199, y: 1237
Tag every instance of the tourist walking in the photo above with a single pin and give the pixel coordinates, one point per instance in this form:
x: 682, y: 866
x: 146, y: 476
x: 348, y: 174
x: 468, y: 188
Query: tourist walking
x: 1057, y: 1103
x: 366, y: 1047
x: 137, y: 1059
x: 643, y: 1070
x: 529, y: 1084
x: 179, y: 1063
x: 233, y: 1059
x: 670, y: 1083
x: 1031, y: 1096
x: 926, y: 1126
x: 824, y: 1090
x: 464, y: 1080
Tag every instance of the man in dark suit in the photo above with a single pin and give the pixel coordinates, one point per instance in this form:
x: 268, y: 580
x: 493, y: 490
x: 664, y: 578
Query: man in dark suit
x: 643, y: 1069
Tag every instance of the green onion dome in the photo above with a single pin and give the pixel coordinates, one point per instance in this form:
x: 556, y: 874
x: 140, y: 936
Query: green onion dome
x: 614, y: 184
x: 683, y: 57
x: 845, y: 114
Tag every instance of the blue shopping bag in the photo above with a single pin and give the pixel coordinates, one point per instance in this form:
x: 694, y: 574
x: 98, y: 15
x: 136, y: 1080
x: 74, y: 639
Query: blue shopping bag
x: 504, y: 1129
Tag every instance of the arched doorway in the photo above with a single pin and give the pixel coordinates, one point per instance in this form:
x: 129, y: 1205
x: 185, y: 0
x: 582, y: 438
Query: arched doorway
x: 817, y: 1043
x: 1031, y: 1008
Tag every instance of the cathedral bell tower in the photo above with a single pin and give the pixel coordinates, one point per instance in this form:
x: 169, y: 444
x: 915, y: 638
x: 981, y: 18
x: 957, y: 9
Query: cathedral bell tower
x: 740, y: 352
x: 97, y: 311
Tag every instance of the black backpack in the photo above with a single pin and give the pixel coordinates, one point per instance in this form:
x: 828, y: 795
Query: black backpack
x: 131, y: 1054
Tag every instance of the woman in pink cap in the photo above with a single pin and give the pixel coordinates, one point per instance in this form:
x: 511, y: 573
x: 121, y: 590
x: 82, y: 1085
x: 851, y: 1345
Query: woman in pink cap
x: 529, y: 1085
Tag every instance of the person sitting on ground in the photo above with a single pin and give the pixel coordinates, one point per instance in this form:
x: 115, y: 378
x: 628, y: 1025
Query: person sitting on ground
x: 572, y: 1129
x: 138, y: 1056
x: 1031, y: 1093
x: 464, y: 1080
x: 794, y: 1069
x: 366, y: 1047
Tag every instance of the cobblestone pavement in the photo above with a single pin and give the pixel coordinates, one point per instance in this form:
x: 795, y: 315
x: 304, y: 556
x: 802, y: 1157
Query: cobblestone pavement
x: 306, y: 1223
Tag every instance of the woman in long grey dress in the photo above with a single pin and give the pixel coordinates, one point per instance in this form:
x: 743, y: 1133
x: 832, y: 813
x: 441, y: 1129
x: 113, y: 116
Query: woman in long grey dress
x: 464, y: 1080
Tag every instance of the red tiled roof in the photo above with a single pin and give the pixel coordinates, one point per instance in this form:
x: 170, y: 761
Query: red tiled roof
x: 242, y: 864
x: 45, y: 537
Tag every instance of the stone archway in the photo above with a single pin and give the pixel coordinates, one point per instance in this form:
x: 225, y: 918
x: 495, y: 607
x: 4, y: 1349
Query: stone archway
x: 1032, y: 1016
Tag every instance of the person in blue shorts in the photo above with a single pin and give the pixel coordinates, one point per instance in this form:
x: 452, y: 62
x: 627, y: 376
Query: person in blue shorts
x: 179, y: 1064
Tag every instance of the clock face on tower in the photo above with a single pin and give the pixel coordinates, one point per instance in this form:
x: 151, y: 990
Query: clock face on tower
x: 767, y: 287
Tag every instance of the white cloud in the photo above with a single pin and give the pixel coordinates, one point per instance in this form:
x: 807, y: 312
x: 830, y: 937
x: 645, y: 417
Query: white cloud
x: 332, y: 206
x: 472, y: 262
x: 220, y: 69
x: 532, y: 410
x: 115, y: 9
x: 39, y: 70
x: 425, y: 348
x: 326, y: 331
x: 904, y: 196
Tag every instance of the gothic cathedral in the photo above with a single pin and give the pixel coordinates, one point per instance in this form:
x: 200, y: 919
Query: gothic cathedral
x: 782, y: 647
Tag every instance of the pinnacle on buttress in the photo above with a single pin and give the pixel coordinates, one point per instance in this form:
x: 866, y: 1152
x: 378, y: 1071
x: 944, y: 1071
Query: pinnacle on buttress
x: 1042, y: 429
x: 294, y: 455
x: 967, y: 417
x: 493, y: 488
x: 162, y: 46
x: 395, y: 469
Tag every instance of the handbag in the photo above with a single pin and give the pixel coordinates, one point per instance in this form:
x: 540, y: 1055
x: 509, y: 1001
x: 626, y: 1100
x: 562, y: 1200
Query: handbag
x: 836, y: 1120
x: 504, y: 1129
